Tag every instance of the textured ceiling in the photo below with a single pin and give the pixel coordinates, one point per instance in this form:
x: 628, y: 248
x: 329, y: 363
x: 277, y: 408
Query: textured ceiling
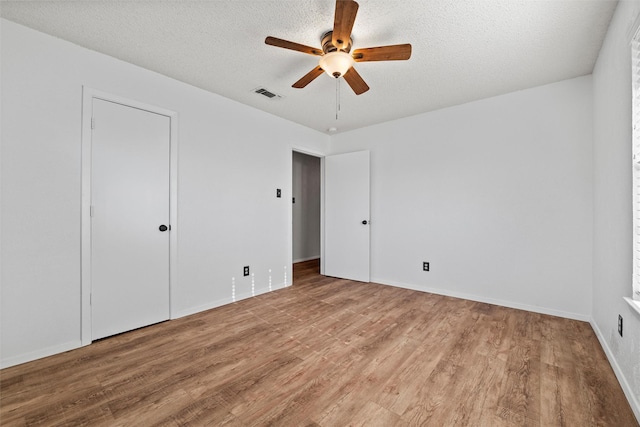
x: 462, y: 50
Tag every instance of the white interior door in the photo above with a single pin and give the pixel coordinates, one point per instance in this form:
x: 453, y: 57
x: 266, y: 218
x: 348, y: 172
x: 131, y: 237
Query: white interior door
x: 346, y: 208
x: 130, y: 164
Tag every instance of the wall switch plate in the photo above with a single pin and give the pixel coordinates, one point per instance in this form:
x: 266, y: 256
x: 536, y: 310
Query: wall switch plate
x: 425, y: 266
x: 620, y: 324
x: 246, y: 270
x: 278, y: 192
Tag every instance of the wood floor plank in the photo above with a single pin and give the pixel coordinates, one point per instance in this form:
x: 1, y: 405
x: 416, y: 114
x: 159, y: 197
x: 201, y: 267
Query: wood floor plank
x: 478, y: 392
x: 443, y: 386
x: 520, y: 396
x: 352, y: 410
x: 558, y: 406
x: 327, y: 352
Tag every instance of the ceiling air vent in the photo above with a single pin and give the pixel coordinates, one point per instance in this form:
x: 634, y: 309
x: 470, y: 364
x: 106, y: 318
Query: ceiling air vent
x: 265, y: 92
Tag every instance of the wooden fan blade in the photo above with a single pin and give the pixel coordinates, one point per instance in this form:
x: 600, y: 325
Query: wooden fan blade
x: 274, y: 41
x: 356, y: 82
x: 394, y: 52
x: 308, y: 78
x: 345, y: 16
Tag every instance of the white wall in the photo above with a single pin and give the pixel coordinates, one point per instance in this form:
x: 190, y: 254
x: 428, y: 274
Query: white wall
x: 495, y: 194
x: 612, y: 268
x: 231, y: 160
x: 306, y: 209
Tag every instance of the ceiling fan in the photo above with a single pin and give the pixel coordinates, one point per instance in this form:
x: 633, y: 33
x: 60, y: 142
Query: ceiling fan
x: 336, y: 58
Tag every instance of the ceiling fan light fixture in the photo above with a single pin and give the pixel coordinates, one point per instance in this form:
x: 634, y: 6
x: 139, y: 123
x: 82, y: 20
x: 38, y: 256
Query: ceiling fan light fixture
x: 336, y: 63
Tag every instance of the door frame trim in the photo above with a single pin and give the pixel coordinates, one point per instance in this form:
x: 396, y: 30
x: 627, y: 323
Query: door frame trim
x: 321, y: 157
x: 88, y: 94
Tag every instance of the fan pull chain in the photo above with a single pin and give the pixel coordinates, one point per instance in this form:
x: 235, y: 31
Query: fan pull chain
x: 337, y: 97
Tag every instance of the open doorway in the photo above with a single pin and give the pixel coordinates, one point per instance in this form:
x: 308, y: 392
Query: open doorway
x: 306, y: 185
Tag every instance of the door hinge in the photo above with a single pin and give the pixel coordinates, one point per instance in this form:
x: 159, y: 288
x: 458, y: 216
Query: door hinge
x: 91, y: 211
x: 93, y: 123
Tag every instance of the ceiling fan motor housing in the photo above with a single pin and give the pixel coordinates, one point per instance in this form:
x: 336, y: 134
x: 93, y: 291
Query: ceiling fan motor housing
x: 328, y: 47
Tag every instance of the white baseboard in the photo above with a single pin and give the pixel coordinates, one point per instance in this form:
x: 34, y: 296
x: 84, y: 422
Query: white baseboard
x: 224, y: 301
x: 306, y: 259
x: 50, y: 351
x: 503, y: 303
x: 39, y: 354
x: 626, y: 388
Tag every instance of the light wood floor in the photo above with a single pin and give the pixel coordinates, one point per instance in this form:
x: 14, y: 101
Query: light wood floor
x: 329, y: 352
